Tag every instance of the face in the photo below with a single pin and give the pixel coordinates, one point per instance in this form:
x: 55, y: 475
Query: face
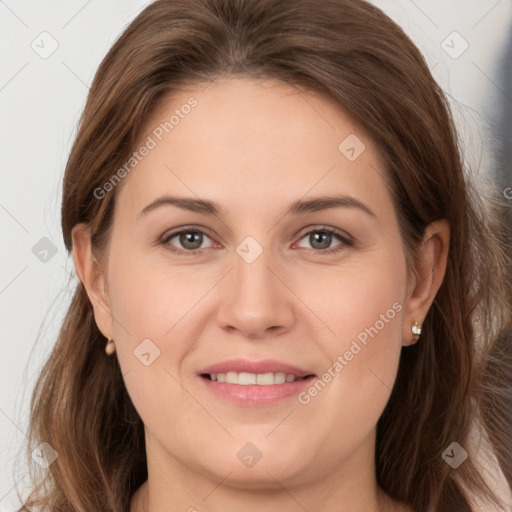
x: 283, y: 257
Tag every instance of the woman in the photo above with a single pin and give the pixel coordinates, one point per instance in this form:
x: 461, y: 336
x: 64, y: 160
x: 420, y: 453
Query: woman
x: 300, y: 303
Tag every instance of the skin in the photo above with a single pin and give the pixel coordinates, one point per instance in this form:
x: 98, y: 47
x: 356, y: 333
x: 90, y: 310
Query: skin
x: 254, y: 148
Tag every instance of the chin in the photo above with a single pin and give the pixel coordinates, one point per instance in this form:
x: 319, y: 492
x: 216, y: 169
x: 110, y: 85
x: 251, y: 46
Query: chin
x: 272, y: 466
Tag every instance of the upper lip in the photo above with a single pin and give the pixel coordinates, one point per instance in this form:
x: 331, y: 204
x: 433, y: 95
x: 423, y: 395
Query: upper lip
x: 257, y: 367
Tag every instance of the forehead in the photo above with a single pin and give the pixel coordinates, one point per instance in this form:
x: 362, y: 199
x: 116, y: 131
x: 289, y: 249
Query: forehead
x: 250, y: 144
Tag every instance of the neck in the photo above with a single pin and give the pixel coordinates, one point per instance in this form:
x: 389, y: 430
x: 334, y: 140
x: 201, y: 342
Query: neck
x: 143, y: 501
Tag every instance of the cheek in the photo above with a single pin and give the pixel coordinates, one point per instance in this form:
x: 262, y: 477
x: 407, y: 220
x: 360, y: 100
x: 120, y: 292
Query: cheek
x: 154, y: 328
x: 362, y: 307
x: 151, y: 299
x: 152, y: 308
x: 361, y: 301
x: 367, y: 311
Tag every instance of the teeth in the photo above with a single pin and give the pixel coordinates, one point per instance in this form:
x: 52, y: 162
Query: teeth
x: 246, y: 379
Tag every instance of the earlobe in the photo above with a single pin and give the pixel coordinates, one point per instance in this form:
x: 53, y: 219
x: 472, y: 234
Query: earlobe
x: 432, y: 258
x: 90, y: 273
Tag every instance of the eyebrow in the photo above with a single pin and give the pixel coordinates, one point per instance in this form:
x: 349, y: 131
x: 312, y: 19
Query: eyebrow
x: 296, y: 208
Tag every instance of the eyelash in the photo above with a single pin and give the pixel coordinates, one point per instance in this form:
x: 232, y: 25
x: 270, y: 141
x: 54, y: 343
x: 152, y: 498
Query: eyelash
x: 346, y: 241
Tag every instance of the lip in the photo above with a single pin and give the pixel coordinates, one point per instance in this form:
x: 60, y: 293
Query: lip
x: 255, y: 395
x: 258, y: 367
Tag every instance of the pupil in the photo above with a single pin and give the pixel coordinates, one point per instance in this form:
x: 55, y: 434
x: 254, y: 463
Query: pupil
x: 190, y: 238
x: 323, y: 238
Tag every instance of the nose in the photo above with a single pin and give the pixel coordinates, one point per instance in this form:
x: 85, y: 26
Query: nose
x: 256, y: 300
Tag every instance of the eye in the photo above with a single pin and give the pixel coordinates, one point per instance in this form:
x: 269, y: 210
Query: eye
x: 189, y: 241
x: 322, y: 238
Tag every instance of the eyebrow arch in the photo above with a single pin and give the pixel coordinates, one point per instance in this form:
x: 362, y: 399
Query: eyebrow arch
x: 296, y: 208
x: 325, y: 202
x: 185, y: 203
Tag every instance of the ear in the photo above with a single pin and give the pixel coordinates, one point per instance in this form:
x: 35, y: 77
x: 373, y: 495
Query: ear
x: 427, y: 276
x: 92, y: 276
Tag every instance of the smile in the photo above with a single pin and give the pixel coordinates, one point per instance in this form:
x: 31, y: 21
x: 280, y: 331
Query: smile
x: 247, y: 379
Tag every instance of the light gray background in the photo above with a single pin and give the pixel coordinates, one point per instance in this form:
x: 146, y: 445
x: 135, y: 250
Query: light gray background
x: 41, y: 99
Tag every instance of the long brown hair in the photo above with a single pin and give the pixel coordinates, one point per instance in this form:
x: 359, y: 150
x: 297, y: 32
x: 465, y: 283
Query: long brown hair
x: 453, y: 379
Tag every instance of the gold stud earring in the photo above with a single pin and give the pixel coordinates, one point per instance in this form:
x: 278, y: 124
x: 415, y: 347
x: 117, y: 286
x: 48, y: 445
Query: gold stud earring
x: 110, y: 347
x: 416, y: 329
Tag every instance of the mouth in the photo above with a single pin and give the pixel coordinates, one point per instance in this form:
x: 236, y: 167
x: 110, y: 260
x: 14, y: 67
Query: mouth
x: 255, y: 379
x: 247, y: 383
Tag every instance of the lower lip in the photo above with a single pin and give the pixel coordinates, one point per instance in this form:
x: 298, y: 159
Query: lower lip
x: 255, y: 395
